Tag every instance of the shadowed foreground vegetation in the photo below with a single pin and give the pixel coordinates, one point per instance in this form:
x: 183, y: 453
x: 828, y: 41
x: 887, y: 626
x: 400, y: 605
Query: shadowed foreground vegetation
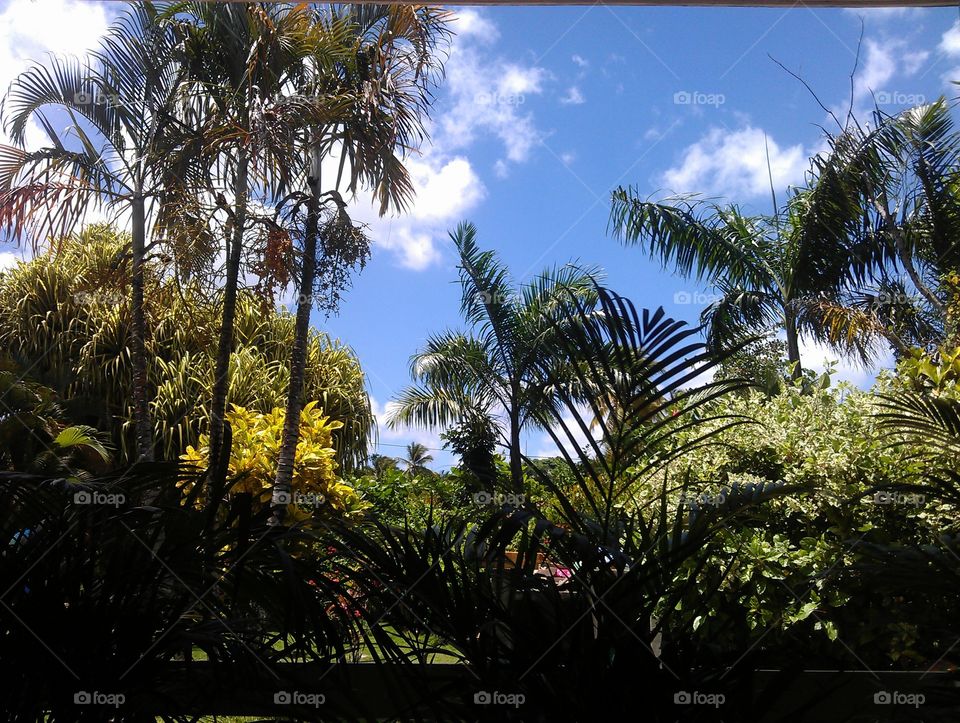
x: 193, y: 520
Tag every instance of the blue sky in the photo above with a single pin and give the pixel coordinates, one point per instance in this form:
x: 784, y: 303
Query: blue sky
x: 545, y: 110
x: 599, y: 108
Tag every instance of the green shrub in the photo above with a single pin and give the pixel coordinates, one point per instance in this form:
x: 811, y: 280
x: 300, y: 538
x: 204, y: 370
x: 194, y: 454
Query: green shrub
x: 795, y: 585
x: 65, y: 316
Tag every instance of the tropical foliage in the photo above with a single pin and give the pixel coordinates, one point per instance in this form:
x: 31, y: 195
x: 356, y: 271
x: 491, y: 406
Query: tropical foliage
x: 797, y: 580
x: 64, y: 316
x: 33, y: 437
x: 862, y: 257
x: 471, y: 378
x: 147, y: 581
x: 255, y: 447
x: 713, y: 509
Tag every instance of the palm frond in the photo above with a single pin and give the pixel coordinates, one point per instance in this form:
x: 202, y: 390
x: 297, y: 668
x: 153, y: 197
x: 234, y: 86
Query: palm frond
x: 644, y: 364
x: 696, y: 239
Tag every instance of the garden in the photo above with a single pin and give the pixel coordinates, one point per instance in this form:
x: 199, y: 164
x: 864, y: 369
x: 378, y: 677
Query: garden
x: 199, y: 519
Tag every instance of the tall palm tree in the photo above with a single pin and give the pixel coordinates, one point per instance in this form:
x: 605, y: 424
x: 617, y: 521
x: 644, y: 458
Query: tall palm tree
x: 417, y: 459
x: 388, y: 74
x: 786, y: 271
x: 242, y: 59
x: 121, y: 102
x: 753, y: 266
x: 859, y: 258
x: 494, y: 371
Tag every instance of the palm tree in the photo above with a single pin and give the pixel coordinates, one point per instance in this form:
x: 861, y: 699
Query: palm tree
x: 388, y: 75
x: 891, y: 193
x: 417, y: 459
x: 863, y: 256
x: 792, y: 271
x: 754, y: 267
x: 126, y: 94
x: 478, y: 377
x: 614, y: 531
x: 380, y: 465
x: 242, y: 59
x: 860, y: 257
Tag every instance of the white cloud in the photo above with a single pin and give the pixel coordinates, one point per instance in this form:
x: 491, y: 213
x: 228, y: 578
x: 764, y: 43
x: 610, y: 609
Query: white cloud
x: 878, y: 69
x: 573, y: 97
x: 31, y: 29
x: 914, y: 61
x: 817, y: 357
x: 63, y: 26
x: 392, y: 440
x: 950, y: 47
x: 445, y: 191
x: 733, y: 164
x: 414, y: 250
x: 8, y: 260
x: 487, y: 94
x: 880, y: 79
x: 568, y: 157
x: 884, y: 61
x: 483, y: 95
x: 517, y: 79
x: 950, y: 42
x: 469, y: 23
x: 580, y: 60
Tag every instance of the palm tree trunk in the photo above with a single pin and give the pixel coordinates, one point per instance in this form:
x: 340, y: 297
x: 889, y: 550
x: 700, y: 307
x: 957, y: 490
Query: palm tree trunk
x: 221, y: 382
x: 907, y: 258
x: 282, y: 484
x: 138, y: 332
x: 793, y: 343
x: 903, y: 252
x: 516, y: 461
